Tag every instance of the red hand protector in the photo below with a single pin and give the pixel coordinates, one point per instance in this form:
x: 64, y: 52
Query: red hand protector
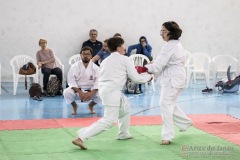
x: 141, y: 69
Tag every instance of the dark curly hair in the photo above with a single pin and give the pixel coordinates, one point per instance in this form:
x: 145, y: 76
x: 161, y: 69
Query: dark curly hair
x: 174, y: 30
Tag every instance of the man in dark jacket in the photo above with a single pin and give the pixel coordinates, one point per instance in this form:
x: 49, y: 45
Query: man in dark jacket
x: 93, y: 42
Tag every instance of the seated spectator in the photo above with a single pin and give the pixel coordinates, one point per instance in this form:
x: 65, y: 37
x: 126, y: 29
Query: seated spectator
x: 83, y: 82
x: 142, y: 48
x: 46, y: 61
x: 102, y: 54
x: 93, y: 42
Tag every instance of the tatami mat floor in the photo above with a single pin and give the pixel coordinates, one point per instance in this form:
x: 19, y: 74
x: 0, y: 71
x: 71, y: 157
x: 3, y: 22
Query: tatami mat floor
x: 31, y: 129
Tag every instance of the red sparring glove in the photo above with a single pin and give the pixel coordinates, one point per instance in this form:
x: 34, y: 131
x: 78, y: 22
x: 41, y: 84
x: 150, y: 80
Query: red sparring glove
x: 141, y: 69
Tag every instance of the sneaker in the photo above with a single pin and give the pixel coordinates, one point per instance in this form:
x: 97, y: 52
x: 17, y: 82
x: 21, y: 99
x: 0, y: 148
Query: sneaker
x: 207, y: 90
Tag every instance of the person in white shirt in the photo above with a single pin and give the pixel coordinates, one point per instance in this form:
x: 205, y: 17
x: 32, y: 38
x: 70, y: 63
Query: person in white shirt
x: 83, y: 82
x: 114, y: 72
x: 170, y: 64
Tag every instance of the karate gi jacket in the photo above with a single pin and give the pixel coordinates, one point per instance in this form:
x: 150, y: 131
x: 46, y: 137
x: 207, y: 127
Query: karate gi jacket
x: 170, y: 64
x: 114, y: 72
x: 84, y: 78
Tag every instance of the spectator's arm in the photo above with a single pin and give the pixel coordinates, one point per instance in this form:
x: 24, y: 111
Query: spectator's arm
x: 147, y: 51
x: 130, y: 48
x: 95, y: 58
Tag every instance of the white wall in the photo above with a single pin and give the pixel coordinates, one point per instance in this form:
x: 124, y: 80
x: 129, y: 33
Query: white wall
x: 211, y: 26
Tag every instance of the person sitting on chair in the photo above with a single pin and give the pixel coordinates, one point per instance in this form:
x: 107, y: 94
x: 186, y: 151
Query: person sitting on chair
x: 103, y: 53
x: 83, y: 81
x: 143, y: 47
x: 46, y: 61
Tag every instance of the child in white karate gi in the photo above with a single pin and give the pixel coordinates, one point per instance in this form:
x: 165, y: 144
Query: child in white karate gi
x: 114, y: 71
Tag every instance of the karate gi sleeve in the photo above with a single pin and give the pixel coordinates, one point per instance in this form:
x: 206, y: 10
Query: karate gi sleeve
x: 161, y: 61
x: 72, y: 76
x: 95, y: 84
x: 134, y: 75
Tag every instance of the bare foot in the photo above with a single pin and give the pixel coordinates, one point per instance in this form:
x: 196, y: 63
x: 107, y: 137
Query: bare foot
x: 78, y: 142
x: 74, y: 106
x: 92, y: 112
x: 91, y: 105
x: 165, y: 142
x: 73, y: 113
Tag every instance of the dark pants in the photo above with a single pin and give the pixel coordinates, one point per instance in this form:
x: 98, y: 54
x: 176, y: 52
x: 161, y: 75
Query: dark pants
x: 47, y: 72
x: 140, y: 87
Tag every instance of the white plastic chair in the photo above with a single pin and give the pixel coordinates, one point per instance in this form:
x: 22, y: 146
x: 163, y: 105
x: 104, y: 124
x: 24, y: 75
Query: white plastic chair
x: 198, y: 63
x: 0, y: 80
x: 17, y: 62
x: 188, y: 55
x: 221, y: 63
x: 74, y: 58
x: 59, y: 64
x: 138, y: 60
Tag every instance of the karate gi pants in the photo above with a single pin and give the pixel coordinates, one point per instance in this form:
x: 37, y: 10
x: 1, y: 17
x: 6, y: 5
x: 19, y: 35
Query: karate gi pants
x: 70, y: 96
x: 112, y: 114
x: 171, y: 113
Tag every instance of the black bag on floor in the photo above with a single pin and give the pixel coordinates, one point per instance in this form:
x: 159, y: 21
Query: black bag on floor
x: 53, y: 85
x: 35, y: 90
